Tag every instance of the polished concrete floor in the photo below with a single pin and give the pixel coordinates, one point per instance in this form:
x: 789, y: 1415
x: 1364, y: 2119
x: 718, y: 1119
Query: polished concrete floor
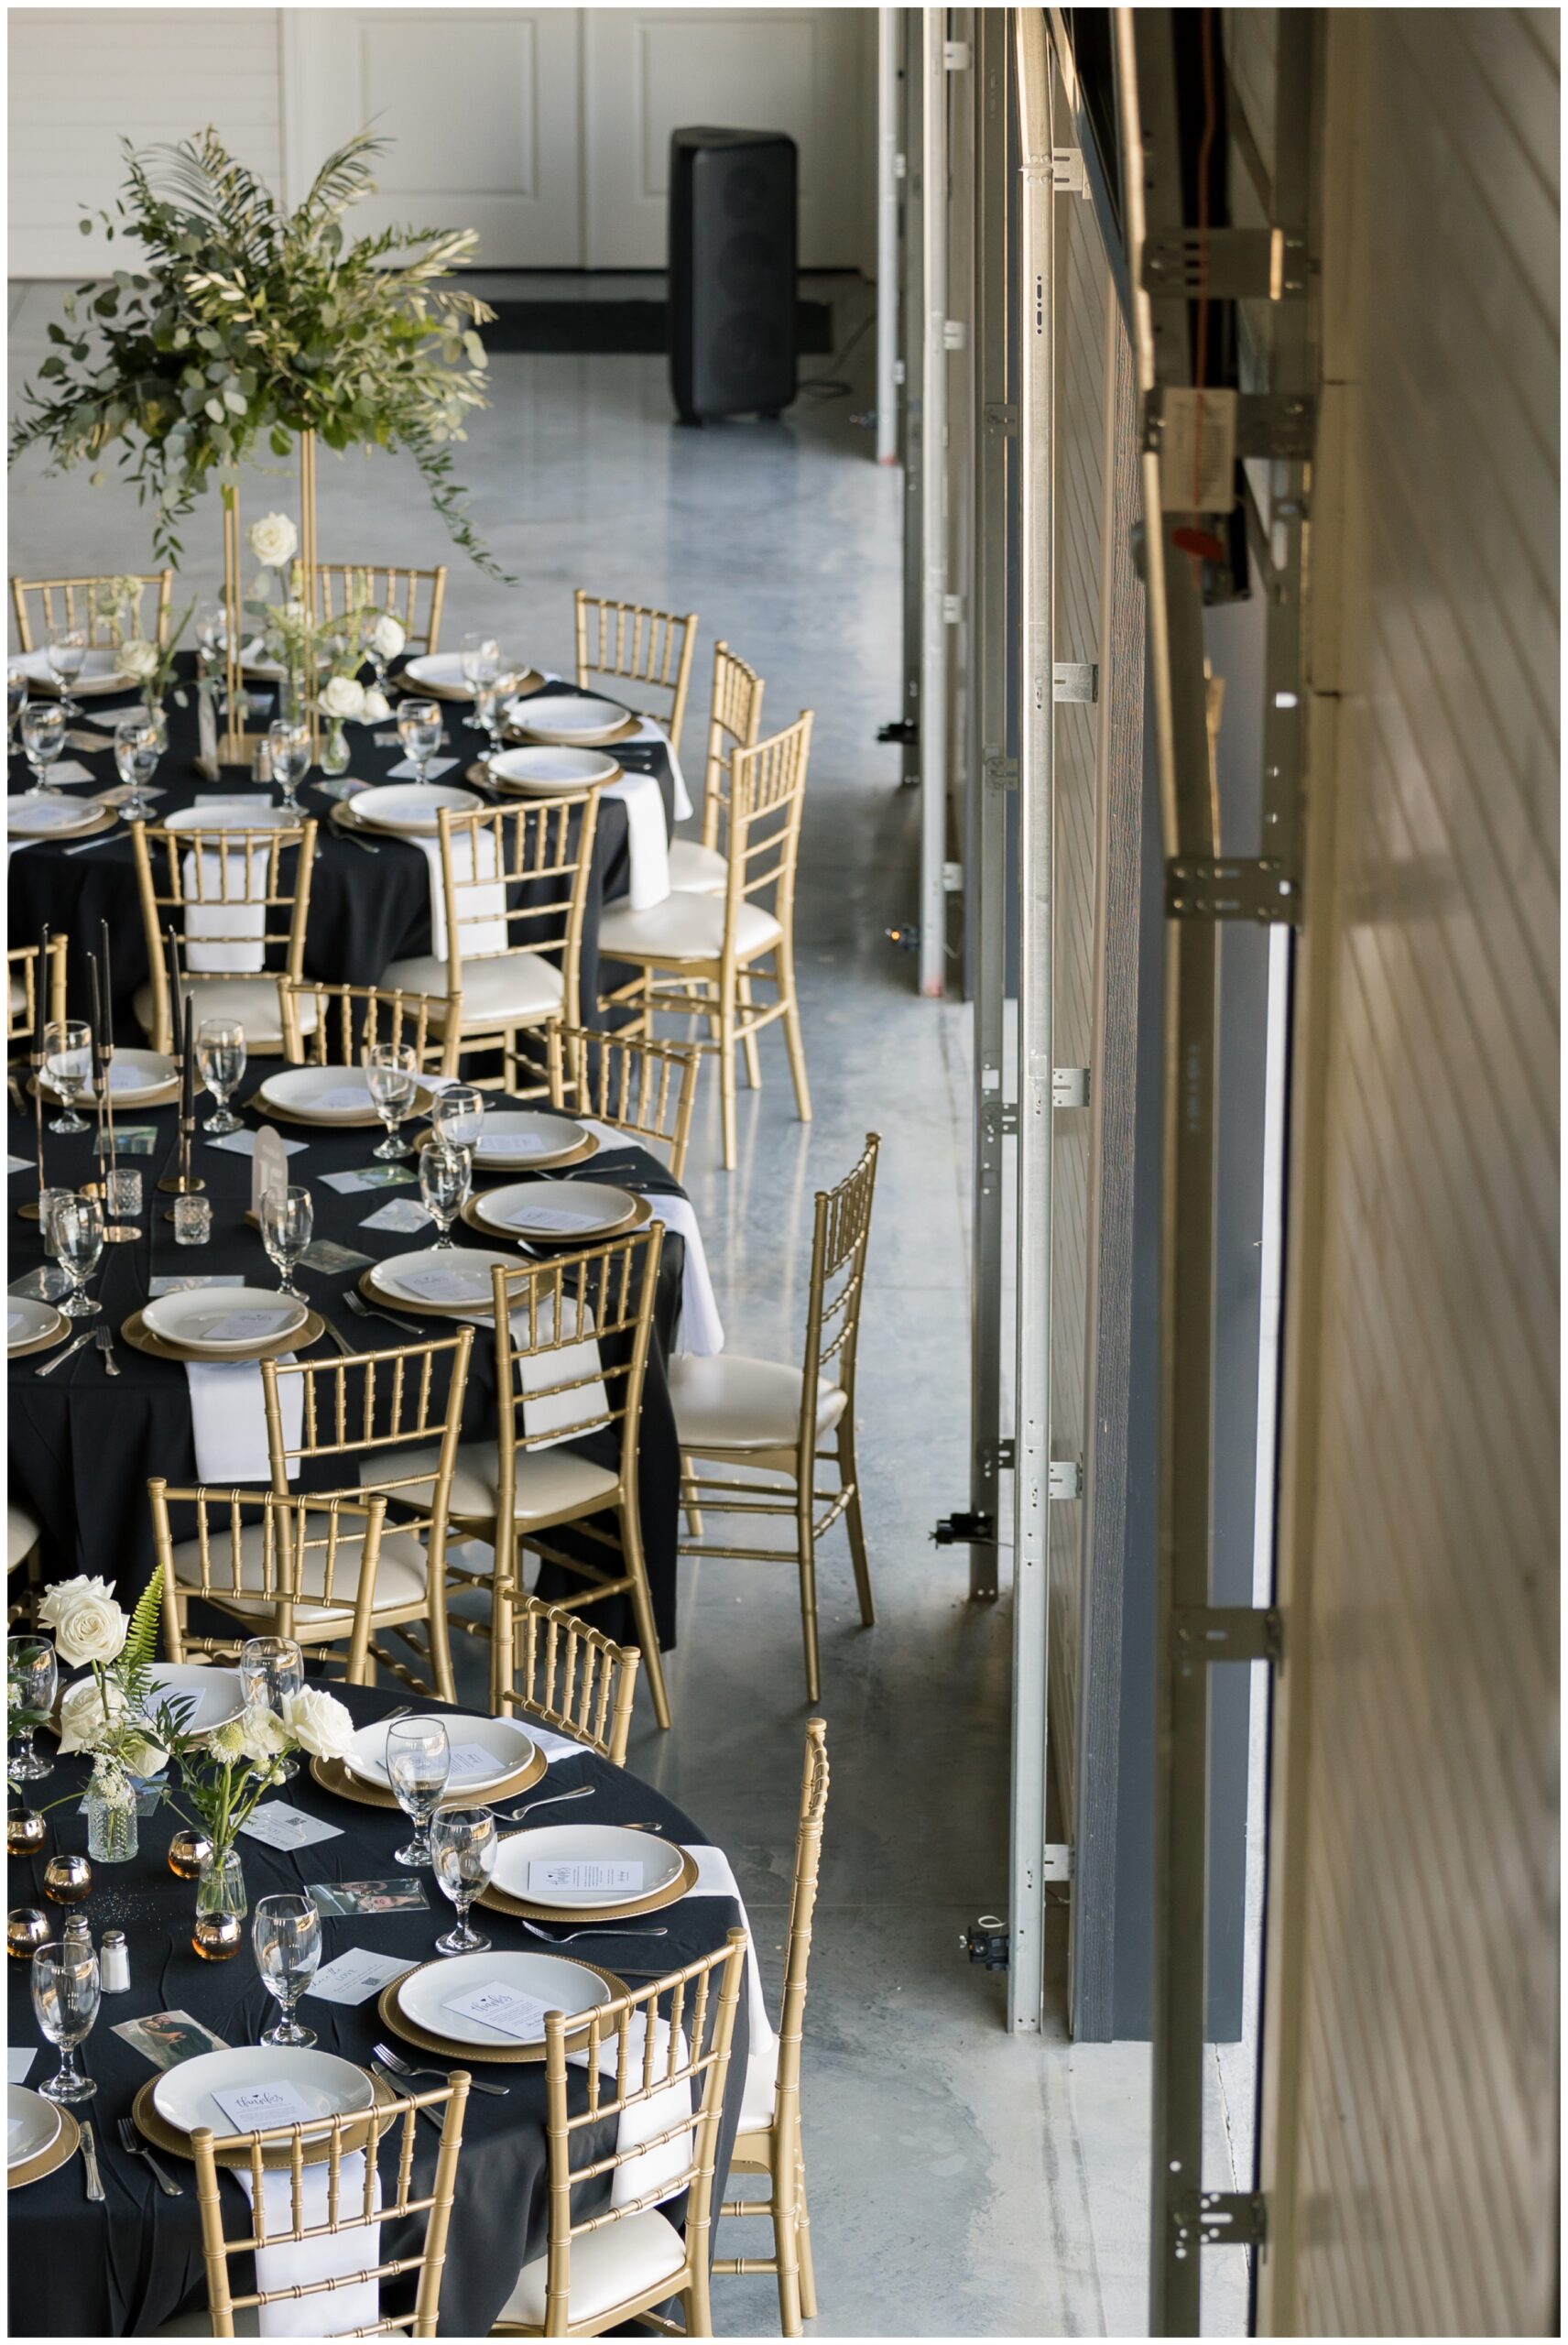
x: 961, y: 2183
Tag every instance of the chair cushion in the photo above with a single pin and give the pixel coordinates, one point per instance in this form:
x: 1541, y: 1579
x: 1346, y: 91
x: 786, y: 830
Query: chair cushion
x: 550, y: 1482
x: 519, y: 986
x: 252, y: 1001
x: 21, y: 1536
x: 697, y: 870
x: 732, y: 1402
x: 399, y: 1574
x: 623, y: 2260
x: 684, y: 928
x: 757, y: 2101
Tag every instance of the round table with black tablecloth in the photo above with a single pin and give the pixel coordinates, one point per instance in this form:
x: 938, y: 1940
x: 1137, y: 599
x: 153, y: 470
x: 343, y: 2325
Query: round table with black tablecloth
x: 124, y: 2268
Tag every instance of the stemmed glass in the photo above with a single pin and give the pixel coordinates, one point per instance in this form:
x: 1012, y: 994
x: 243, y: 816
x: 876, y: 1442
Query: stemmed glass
x: 67, y: 655
x: 16, y: 701
x: 286, y: 1932
x: 290, y: 740
x: 457, y: 1115
x: 43, y: 737
x: 466, y: 1843
x: 389, y: 1075
x: 444, y: 1177
x: 481, y: 657
x: 418, y: 1759
x: 66, y: 1990
x: 79, y: 1242
x: 220, y: 1059
x: 271, y: 1668
x: 137, y: 746
x: 286, y: 1218
x: 32, y: 1675
x: 422, y: 730
x: 68, y: 1062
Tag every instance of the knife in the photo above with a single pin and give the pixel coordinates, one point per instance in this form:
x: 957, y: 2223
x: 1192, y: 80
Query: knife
x: 51, y: 1365
x: 89, y: 2160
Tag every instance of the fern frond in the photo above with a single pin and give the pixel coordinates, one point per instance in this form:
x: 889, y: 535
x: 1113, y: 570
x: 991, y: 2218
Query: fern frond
x: 141, y: 1644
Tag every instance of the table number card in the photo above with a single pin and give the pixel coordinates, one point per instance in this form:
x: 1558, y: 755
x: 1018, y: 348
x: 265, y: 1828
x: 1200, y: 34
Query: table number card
x: 505, y: 2008
x: 556, y: 1876
x: 252, y: 2108
x: 278, y: 1825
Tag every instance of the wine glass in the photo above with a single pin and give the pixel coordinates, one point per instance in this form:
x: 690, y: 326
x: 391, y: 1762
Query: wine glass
x: 286, y: 1932
x: 421, y: 731
x: 271, y: 1668
x: 444, y: 1176
x: 221, y: 1057
x: 464, y: 1842
x: 210, y: 636
x: 68, y: 1062
x: 66, y: 1990
x: 137, y: 746
x: 79, y: 1242
x: 487, y: 712
x: 418, y: 1759
x: 389, y: 1075
x: 457, y: 1115
x: 32, y: 1675
x: 43, y: 737
x: 481, y: 657
x: 67, y: 655
x: 16, y: 701
x: 287, y: 1217
x: 291, y: 741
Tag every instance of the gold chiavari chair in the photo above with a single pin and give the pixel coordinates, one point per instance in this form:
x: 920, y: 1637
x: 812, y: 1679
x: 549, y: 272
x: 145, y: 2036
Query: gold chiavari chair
x: 603, y: 2270
x: 702, y: 956
x: 414, y: 598
x: 514, y: 891
x: 283, y: 1566
x: 570, y: 1676
x: 227, y: 895
x: 365, y: 1408
x: 333, y: 1025
x: 756, y: 1418
x: 734, y: 722
x: 284, y: 2191
x: 639, y: 645
x: 22, y: 1536
x: 644, y: 1088
x: 25, y: 975
x: 768, y: 2140
x: 79, y: 602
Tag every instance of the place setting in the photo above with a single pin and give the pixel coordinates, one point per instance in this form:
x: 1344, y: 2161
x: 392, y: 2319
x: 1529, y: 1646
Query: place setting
x: 222, y: 1325
x: 32, y: 1326
x: 462, y: 675
x: 41, y: 2136
x: 557, y: 1213
x: 409, y: 1764
x: 568, y: 720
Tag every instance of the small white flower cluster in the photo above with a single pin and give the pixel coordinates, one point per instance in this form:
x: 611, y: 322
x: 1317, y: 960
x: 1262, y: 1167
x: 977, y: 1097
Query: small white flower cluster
x: 138, y: 658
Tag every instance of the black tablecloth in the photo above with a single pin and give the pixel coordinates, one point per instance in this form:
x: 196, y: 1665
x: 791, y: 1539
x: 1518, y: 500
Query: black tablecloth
x: 365, y: 910
x: 121, y: 2269
x: 82, y: 1444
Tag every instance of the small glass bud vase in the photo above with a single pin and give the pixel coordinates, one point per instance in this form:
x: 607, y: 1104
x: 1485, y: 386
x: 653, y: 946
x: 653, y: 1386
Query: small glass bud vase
x: 220, y: 1906
x: 334, y: 750
x: 111, y: 1820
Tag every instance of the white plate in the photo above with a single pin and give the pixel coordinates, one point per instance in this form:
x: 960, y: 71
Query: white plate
x: 329, y: 2087
x: 37, y: 1319
x: 237, y: 815
x: 184, y: 1318
x: 32, y: 2124
x: 559, y: 1211
x: 552, y: 1980
x: 513, y: 1137
x: 407, y: 807
x: 507, y: 1745
x: 439, y: 671
x: 32, y: 815
x: 398, y: 1279
x: 99, y: 673
x: 567, y: 718
x: 548, y: 771
x: 589, y: 1844
x: 134, y: 1077
x: 321, y: 1092
x: 208, y: 1698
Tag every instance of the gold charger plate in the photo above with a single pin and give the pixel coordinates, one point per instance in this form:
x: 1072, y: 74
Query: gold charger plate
x: 63, y: 2147
x: 578, y: 1239
x: 156, y: 2129
x: 105, y: 822
x: 473, y: 2054
x: 369, y: 1120
x: 528, y: 736
x: 501, y: 1902
x: 142, y: 1339
x: 44, y: 1343
x: 333, y: 1776
x: 412, y: 1307
x: 528, y: 680
x: 161, y: 1095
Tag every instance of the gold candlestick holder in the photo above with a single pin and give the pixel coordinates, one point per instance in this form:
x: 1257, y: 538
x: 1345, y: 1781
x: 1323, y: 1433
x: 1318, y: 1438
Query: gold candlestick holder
x: 183, y: 1184
x: 236, y: 741
x: 35, y: 1060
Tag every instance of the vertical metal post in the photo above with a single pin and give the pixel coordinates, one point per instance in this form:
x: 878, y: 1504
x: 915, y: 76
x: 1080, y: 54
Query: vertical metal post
x: 886, y: 236
x: 911, y: 369
x: 1036, y: 824
x: 933, y: 504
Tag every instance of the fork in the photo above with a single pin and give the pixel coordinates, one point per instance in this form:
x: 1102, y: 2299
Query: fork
x: 363, y: 1310
x: 105, y: 1342
x: 134, y: 2148
x: 389, y: 2059
x: 389, y: 2076
x: 596, y: 1931
x: 367, y: 844
x: 516, y: 1815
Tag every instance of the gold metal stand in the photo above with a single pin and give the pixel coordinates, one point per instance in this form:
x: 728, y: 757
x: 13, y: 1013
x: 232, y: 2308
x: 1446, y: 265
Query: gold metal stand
x: 236, y: 741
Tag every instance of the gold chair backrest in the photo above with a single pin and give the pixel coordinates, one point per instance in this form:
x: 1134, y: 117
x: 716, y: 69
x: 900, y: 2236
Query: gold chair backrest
x: 278, y: 2211
x: 546, y: 846
x: 414, y: 598
x: 634, y: 2051
x: 839, y: 1240
x: 348, y: 1019
x: 22, y: 968
x: 767, y: 791
x: 802, y: 1905
x: 570, y: 1677
x: 294, y: 1529
x: 79, y: 602
x: 221, y: 868
x: 646, y: 1089
x: 640, y: 645
x: 734, y: 722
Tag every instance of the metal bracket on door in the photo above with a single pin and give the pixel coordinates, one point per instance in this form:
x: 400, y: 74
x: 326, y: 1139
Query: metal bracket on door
x: 1070, y: 1086
x: 1255, y: 887
x: 1229, y: 1632
x: 1056, y: 1861
x: 1267, y: 423
x: 1219, y: 2218
x: 1000, y: 1119
x: 1001, y: 773
x: 1068, y: 176
x: 1066, y: 1478
x: 1001, y: 419
x: 1075, y: 680
x: 1227, y: 264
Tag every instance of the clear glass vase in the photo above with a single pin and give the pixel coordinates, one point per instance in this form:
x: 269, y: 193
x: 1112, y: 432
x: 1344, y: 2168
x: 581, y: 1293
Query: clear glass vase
x: 220, y: 1884
x: 335, y: 751
x: 111, y: 1820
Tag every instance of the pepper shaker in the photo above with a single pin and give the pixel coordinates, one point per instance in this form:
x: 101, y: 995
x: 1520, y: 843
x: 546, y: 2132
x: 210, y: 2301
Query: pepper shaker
x: 114, y: 1964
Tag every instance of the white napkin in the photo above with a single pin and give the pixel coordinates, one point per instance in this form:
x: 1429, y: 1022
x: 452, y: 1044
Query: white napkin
x: 228, y: 1417
x: 578, y: 1411
x: 662, y: 2168
x: 269, y: 1165
x: 647, y: 840
x: 550, y: 1745
x: 295, y: 2262
x: 715, y: 1878
x: 483, y: 913
x: 649, y: 731
x: 701, y: 1329
x: 225, y: 936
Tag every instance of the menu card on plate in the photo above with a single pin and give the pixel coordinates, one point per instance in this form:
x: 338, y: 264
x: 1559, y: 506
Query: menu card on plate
x: 279, y: 1825
x: 442, y: 1284
x: 183, y: 1285
x: 506, y: 2008
x: 354, y: 1977
x: 345, y: 1096
x: 251, y: 2108
x: 466, y: 1760
x: 234, y: 1327
x: 528, y: 1216
x: 585, y: 1876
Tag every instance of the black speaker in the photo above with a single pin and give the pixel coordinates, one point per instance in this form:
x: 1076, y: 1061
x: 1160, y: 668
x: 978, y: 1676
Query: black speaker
x: 731, y: 272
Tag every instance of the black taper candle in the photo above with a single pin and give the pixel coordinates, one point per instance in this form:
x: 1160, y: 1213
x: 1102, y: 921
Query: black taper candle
x: 108, y: 985
x: 173, y: 952
x: 94, y: 1009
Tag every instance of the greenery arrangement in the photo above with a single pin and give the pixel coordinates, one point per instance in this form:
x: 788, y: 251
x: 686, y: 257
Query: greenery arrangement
x: 149, y: 661
x: 247, y: 325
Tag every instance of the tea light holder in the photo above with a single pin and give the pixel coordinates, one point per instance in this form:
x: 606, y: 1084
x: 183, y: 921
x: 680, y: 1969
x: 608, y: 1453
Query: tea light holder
x: 193, y: 1219
x: 216, y: 1936
x: 25, y: 1832
x: 26, y: 1930
x: 188, y: 1852
x: 68, y: 1881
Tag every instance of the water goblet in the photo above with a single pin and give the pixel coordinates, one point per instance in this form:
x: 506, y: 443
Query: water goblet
x: 464, y: 1842
x: 79, y: 1242
x: 290, y: 739
x: 67, y: 655
x: 389, y: 1072
x: 221, y: 1060
x: 136, y: 748
x: 457, y: 1115
x: 445, y: 1178
x: 418, y: 1759
x: 43, y: 738
x: 287, y: 1218
x: 68, y: 1062
x: 66, y: 1990
x: 286, y: 1932
x: 422, y: 730
x: 270, y: 1669
x: 32, y: 1680
x: 481, y: 659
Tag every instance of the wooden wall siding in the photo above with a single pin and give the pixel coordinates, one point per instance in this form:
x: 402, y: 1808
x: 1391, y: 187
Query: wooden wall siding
x: 1411, y: 2110
x: 1248, y: 38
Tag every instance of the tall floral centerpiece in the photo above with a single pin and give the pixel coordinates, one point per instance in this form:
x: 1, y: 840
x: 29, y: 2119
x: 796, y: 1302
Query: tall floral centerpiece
x: 247, y: 327
x: 106, y: 1713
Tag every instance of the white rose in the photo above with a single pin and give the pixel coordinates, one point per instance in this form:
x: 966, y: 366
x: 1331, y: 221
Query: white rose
x: 87, y: 1622
x: 144, y: 1757
x: 388, y: 635
x: 376, y: 705
x: 274, y: 540
x: 318, y: 1723
x: 342, y: 696
x: 137, y: 658
x: 84, y: 1719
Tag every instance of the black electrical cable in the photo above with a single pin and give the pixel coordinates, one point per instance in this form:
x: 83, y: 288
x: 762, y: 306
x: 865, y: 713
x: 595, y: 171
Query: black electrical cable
x: 833, y: 386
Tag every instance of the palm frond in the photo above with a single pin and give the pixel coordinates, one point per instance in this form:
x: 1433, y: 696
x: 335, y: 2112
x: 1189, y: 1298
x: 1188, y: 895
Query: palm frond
x: 346, y: 176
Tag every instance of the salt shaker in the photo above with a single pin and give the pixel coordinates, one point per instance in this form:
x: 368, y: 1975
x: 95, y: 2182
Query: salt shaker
x: 114, y: 1964
x: 261, y: 764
